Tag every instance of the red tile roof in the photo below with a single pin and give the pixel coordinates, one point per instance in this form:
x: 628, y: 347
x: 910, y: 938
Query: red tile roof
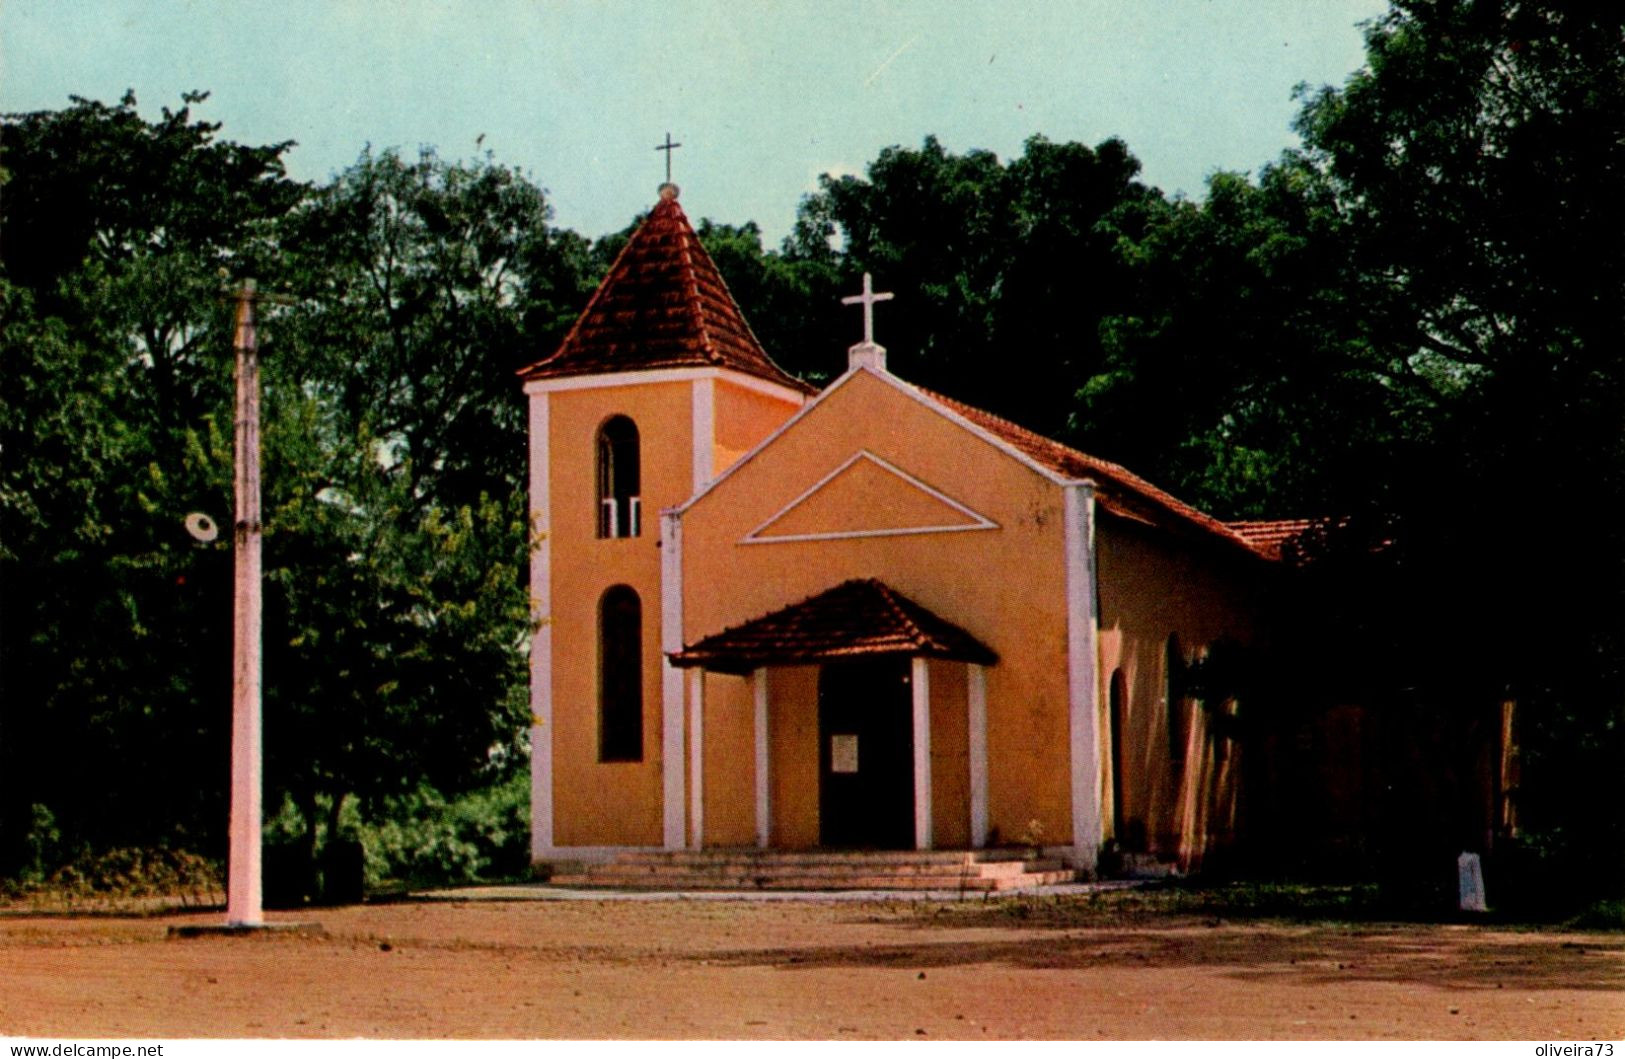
x: 853, y: 619
x: 663, y: 304
x: 1119, y: 490
x: 1269, y: 537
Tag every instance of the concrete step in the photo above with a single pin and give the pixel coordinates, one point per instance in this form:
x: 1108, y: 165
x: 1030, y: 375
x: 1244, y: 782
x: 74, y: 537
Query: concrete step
x: 768, y: 868
x: 756, y: 856
x: 786, y: 882
x: 977, y: 871
x: 676, y: 881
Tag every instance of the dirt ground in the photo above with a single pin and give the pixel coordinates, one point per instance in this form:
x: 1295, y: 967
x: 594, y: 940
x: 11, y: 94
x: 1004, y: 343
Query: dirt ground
x: 822, y: 970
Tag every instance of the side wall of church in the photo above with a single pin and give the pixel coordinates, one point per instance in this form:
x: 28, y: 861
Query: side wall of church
x: 1152, y: 586
x: 1004, y: 585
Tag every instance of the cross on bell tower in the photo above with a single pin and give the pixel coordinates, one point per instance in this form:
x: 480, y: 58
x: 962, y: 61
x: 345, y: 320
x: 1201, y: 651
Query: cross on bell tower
x: 868, y: 352
x: 668, y: 147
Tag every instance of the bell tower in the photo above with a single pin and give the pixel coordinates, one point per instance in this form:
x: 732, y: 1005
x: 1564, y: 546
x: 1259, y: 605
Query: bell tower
x: 658, y: 387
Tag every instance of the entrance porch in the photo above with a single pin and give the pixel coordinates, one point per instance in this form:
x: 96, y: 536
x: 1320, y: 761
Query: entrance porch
x: 867, y: 729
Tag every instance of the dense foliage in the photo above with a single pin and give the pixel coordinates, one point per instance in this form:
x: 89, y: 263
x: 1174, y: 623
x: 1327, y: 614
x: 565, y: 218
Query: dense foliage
x: 396, y: 523
x: 1416, y: 323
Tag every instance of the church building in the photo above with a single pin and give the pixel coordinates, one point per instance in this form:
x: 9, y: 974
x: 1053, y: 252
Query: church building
x: 864, y: 617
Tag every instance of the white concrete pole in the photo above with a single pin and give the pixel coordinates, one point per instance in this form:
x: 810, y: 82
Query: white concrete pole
x: 243, y: 897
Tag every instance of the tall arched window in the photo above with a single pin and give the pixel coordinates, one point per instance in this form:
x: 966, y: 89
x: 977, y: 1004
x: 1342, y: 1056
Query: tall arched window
x: 619, y: 479
x: 620, y: 675
x: 1173, y: 675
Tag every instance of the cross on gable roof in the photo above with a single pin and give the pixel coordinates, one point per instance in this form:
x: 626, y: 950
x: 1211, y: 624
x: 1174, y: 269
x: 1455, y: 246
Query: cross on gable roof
x: 663, y: 304
x: 854, y: 619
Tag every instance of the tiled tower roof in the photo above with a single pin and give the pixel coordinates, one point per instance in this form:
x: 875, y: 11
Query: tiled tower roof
x: 662, y: 305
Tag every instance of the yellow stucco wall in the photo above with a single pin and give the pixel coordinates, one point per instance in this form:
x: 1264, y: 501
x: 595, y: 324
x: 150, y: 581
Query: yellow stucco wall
x: 950, y: 755
x: 1006, y: 586
x: 744, y: 416
x: 620, y: 803
x: 730, y: 755
x: 792, y: 698
x: 1153, y: 585
x: 607, y: 803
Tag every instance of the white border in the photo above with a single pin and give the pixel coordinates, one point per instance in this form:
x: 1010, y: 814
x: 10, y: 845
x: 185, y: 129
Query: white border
x: 1083, y: 689
x: 661, y: 375
x: 541, y: 640
x: 671, y: 681
x: 979, y: 521
x: 703, y: 400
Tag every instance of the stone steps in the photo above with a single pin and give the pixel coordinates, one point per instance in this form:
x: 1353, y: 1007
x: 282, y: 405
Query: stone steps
x: 974, y: 871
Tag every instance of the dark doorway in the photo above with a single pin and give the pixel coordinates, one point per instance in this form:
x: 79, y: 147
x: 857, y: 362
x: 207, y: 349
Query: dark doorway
x: 866, y: 755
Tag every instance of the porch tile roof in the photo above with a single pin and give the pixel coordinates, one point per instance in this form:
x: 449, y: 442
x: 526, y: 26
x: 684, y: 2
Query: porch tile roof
x: 854, y: 619
x: 663, y: 304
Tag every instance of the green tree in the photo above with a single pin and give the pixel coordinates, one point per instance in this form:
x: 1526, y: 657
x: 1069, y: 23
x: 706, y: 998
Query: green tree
x: 398, y: 528
x: 1002, y: 271
x: 113, y: 378
x: 1478, y: 158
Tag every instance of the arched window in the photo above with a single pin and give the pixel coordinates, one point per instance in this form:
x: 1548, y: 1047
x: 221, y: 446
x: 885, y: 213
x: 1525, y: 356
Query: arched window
x: 619, y: 503
x: 1174, y: 698
x: 620, y: 675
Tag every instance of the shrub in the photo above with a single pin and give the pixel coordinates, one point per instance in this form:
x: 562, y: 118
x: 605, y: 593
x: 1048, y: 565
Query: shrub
x: 423, y: 839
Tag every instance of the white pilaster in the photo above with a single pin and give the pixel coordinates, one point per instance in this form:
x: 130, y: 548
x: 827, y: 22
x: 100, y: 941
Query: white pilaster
x: 671, y: 682
x: 704, y: 396
x: 764, y: 823
x: 696, y: 757
x: 920, y: 684
x: 1083, y: 686
x: 976, y: 703
x: 541, y: 638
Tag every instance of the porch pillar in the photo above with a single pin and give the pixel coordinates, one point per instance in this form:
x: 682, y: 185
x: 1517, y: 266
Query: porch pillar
x: 758, y: 682
x: 696, y: 757
x: 920, y: 684
x: 976, y: 701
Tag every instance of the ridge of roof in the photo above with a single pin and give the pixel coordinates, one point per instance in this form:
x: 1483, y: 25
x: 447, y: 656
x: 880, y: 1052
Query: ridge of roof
x: 662, y: 304
x: 1121, y: 484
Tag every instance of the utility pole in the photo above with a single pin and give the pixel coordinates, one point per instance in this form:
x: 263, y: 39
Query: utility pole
x: 245, y: 909
x: 243, y: 893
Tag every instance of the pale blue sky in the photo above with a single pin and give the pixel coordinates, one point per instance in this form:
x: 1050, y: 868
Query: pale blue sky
x: 763, y: 96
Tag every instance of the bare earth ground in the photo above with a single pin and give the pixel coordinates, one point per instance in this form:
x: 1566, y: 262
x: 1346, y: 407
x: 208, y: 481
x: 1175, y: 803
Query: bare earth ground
x: 689, y: 969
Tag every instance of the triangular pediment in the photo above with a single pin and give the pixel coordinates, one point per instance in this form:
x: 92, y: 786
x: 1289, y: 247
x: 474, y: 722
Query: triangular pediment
x: 867, y: 497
